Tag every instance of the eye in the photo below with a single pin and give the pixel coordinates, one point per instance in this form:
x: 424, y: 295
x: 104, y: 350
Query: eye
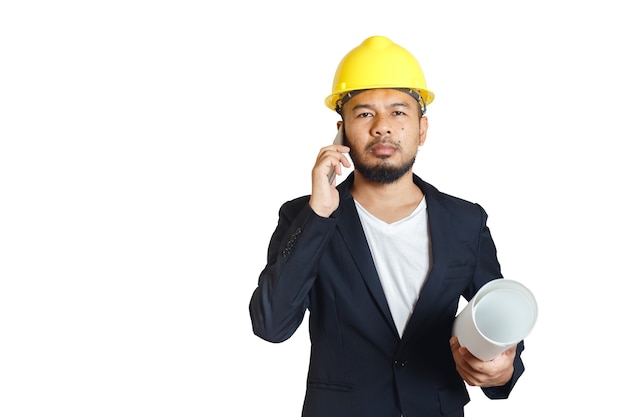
x: 364, y: 114
x: 398, y: 113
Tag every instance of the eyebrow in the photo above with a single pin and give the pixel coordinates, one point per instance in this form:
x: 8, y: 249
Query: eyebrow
x: 372, y: 107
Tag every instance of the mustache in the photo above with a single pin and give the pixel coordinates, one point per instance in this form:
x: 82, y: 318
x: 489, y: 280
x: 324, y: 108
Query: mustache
x: 385, y: 140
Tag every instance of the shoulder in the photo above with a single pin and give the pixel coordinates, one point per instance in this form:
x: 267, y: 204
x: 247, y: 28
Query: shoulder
x: 448, y: 201
x: 294, y: 206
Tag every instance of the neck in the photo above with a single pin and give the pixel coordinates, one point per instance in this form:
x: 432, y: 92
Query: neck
x: 388, y: 202
x: 403, y: 186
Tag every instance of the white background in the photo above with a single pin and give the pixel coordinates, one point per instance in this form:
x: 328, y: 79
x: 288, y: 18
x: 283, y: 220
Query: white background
x: 146, y: 147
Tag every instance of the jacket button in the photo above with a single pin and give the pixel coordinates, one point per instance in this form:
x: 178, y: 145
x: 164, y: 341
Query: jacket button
x: 399, y: 364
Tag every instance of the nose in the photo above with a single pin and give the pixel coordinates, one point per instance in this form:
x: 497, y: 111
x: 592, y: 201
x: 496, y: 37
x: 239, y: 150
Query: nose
x: 381, y: 126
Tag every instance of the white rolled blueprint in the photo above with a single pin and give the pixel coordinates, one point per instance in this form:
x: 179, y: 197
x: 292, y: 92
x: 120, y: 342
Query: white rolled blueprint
x: 499, y: 316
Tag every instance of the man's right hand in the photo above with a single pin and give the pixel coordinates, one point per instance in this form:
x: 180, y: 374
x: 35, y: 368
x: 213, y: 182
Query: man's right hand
x: 324, y: 195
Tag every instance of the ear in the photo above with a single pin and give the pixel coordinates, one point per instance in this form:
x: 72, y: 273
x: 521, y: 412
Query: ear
x: 339, y: 124
x: 423, y: 130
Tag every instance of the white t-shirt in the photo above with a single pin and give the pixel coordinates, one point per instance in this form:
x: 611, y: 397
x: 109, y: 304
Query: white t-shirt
x: 402, y: 256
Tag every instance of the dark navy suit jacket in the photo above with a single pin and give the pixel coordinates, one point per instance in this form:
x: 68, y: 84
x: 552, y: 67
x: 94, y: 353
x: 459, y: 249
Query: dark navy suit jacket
x: 359, y: 365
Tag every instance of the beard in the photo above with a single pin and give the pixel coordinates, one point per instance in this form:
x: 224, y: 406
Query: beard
x: 382, y: 172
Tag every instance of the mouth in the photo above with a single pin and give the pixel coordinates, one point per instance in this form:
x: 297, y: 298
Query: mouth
x: 383, y: 149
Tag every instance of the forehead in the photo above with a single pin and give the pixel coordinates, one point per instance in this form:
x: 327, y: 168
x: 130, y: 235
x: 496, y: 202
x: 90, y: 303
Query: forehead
x: 382, y: 97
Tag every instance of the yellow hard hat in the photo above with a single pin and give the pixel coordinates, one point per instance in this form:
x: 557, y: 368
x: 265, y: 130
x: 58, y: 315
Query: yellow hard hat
x: 378, y: 63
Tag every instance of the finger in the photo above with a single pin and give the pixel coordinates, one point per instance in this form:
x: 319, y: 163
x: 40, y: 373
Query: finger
x: 332, y: 161
x: 462, y: 350
x: 328, y: 155
x: 454, y: 342
x: 338, y: 148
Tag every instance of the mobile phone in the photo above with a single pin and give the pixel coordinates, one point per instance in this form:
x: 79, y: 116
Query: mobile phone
x: 338, y: 141
x: 339, y: 138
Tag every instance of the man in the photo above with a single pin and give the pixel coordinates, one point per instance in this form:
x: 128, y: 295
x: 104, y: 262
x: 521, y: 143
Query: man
x: 381, y: 260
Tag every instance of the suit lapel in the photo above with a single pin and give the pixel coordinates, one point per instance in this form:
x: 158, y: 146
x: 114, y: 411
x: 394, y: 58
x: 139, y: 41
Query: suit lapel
x: 351, y: 230
x: 438, y: 224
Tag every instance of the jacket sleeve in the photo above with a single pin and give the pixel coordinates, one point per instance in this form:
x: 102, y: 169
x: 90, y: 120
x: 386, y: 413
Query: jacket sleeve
x: 502, y: 392
x: 487, y: 261
x: 281, y: 297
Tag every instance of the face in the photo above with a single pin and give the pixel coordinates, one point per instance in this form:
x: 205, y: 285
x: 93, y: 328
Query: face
x: 383, y: 130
